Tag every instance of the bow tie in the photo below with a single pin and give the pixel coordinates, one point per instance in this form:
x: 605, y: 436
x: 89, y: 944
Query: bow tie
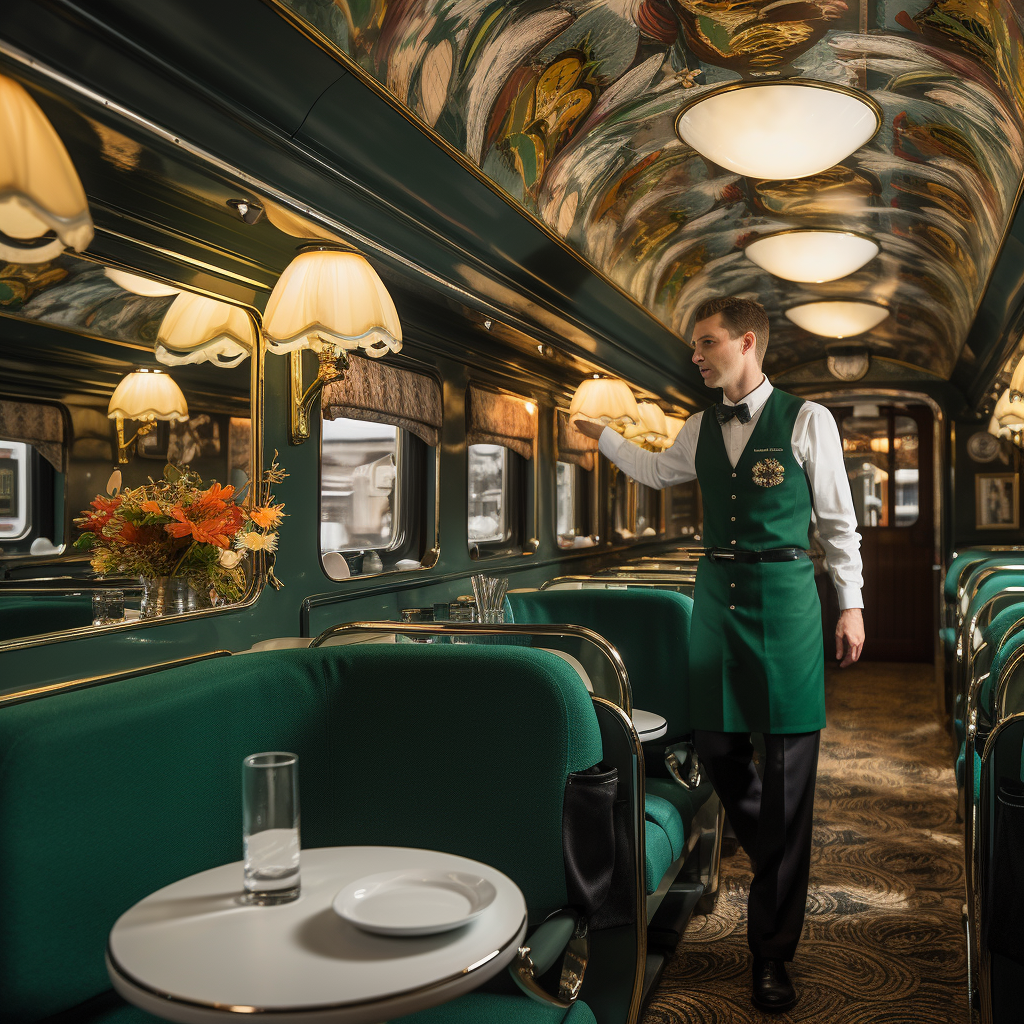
x: 726, y: 412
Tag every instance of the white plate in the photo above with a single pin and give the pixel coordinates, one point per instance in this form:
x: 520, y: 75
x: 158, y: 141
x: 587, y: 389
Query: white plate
x: 414, y: 901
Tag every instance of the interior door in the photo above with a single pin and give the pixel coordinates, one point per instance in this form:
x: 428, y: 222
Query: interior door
x: 888, y: 454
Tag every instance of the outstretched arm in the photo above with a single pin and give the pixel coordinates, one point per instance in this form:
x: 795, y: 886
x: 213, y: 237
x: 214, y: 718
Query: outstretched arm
x: 655, y: 469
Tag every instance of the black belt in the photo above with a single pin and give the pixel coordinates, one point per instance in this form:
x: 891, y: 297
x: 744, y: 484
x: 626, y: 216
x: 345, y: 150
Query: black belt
x: 771, y: 555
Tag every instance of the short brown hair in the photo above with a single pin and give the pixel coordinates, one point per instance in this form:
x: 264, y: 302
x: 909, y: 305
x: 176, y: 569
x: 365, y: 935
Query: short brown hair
x: 740, y: 316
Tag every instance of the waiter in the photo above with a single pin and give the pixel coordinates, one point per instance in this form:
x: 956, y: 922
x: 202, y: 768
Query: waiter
x: 766, y: 461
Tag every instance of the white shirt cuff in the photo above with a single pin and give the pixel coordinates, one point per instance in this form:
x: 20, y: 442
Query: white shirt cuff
x: 849, y: 597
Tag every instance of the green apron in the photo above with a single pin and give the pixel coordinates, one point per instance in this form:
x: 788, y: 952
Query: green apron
x: 756, y: 654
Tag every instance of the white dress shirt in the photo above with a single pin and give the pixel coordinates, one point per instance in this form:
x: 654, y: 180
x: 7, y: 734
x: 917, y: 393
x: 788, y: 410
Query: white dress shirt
x: 816, y: 447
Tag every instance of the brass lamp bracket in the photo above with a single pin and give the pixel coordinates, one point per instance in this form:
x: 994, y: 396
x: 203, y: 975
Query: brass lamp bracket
x: 124, y: 448
x: 332, y: 366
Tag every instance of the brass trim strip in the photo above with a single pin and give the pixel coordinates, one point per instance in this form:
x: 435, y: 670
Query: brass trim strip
x: 126, y: 977
x: 482, y: 629
x: 9, y: 699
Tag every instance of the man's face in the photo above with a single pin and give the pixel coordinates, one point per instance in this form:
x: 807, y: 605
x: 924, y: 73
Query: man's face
x: 719, y: 356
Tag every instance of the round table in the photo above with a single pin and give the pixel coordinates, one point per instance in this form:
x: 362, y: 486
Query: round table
x: 648, y: 725
x: 193, y: 952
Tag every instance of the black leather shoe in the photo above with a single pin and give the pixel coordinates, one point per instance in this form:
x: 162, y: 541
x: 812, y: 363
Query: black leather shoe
x: 773, y: 991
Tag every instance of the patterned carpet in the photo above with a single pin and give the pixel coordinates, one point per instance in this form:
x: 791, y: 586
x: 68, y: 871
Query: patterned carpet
x: 882, y: 940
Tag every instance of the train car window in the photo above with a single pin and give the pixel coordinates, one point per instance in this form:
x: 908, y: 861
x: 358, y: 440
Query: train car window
x: 648, y: 512
x: 15, y: 516
x: 624, y: 507
x: 880, y: 449
x: 574, y: 487
x: 682, y: 510
x: 488, y: 518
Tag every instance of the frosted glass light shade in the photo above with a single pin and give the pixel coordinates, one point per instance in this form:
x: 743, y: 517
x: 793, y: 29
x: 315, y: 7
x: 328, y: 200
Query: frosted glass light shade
x: 778, y: 130
x: 674, y: 424
x: 137, y: 285
x: 198, y: 329
x: 811, y: 256
x: 335, y: 297
x: 606, y: 400
x: 39, y: 187
x: 148, y: 395
x: 837, y: 319
x: 652, y: 427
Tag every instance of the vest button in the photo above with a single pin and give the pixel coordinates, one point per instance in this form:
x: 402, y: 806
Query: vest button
x: 733, y: 585
x: 732, y: 542
x: 733, y: 518
x: 732, y: 607
x: 734, y: 476
x: 734, y: 497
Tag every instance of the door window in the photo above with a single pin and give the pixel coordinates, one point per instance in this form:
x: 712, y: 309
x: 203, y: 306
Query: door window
x: 881, y: 455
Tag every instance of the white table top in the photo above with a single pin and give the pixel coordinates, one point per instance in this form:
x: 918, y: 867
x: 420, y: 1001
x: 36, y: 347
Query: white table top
x: 192, y: 952
x: 648, y: 725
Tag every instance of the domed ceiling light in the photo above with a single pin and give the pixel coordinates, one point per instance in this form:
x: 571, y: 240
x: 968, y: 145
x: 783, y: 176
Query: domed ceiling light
x: 848, y: 363
x: 40, y: 194
x: 605, y: 400
x: 137, y: 285
x: 837, y: 319
x: 779, y: 130
x: 197, y: 329
x: 330, y: 301
x: 811, y: 256
x: 148, y: 396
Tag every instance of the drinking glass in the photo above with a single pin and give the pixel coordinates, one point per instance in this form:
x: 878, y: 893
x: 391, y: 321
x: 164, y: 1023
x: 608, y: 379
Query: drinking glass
x: 270, y: 827
x: 107, y: 606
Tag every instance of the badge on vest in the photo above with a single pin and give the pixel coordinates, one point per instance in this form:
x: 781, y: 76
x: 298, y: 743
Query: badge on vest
x: 768, y: 473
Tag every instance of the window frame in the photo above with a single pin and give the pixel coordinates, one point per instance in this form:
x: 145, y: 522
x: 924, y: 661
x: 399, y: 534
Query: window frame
x: 513, y: 503
x: 584, y: 492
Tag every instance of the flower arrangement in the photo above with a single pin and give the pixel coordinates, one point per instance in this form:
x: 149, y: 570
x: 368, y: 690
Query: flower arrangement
x: 176, y: 527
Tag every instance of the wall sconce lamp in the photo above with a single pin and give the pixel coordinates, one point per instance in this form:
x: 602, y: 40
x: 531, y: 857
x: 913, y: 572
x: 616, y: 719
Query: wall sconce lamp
x: 148, y: 396
x: 652, y: 430
x: 197, y: 329
x: 332, y: 302
x: 605, y: 400
x: 43, y: 209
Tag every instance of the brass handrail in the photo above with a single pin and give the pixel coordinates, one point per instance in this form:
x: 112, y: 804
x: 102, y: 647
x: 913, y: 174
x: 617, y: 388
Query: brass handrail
x: 496, y: 629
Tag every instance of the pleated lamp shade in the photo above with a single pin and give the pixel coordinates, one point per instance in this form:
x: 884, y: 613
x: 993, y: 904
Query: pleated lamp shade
x: 1007, y: 413
x: 334, y: 297
x: 674, y: 424
x: 137, y: 285
x: 652, y: 427
x: 197, y: 329
x: 606, y: 400
x: 39, y: 187
x: 148, y: 395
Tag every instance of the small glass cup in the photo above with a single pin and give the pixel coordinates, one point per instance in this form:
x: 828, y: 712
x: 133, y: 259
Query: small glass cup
x: 270, y: 827
x: 107, y: 606
x: 461, y: 612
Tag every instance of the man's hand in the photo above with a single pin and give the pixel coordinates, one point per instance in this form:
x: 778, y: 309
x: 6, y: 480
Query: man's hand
x: 849, y: 636
x: 589, y: 429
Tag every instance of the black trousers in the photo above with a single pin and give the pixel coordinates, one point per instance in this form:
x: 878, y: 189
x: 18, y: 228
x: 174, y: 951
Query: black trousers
x: 772, y: 820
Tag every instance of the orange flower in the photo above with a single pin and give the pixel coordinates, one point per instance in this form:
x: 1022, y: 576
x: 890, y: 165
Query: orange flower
x: 106, y: 509
x: 215, y: 530
x: 132, y: 534
x: 213, y: 499
x: 152, y: 506
x: 267, y: 516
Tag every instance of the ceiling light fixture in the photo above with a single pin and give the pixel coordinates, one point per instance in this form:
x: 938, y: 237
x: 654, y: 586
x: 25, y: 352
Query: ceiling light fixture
x: 837, y: 319
x: 43, y: 209
x: 848, y: 363
x: 810, y: 256
x: 148, y: 396
x: 779, y: 130
x: 330, y: 301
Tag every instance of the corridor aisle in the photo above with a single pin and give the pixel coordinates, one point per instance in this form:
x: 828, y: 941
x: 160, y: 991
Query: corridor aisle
x: 882, y: 942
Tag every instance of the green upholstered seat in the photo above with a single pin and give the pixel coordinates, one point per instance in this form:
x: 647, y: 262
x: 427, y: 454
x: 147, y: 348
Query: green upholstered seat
x: 962, y: 563
x: 994, y: 584
x: 649, y: 628
x: 658, y: 810
x: 687, y: 801
x: 657, y: 855
x: 111, y: 792
x: 948, y: 637
x: 31, y: 614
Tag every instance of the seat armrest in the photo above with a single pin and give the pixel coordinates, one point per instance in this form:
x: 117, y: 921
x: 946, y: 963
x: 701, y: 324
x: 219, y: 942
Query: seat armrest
x: 562, y: 934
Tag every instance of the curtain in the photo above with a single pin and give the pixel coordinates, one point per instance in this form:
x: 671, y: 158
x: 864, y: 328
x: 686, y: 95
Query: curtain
x: 374, y: 390
x: 573, y: 446
x: 500, y: 419
x: 41, y: 426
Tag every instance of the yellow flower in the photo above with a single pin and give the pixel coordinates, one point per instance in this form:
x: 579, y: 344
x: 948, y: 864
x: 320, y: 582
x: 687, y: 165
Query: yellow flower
x: 254, y: 541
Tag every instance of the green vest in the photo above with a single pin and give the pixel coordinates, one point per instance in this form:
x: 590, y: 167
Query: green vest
x: 756, y: 654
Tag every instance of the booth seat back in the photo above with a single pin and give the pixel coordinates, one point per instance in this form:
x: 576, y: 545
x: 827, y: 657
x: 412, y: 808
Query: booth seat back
x: 28, y: 614
x: 650, y: 628
x: 961, y: 564
x: 111, y: 792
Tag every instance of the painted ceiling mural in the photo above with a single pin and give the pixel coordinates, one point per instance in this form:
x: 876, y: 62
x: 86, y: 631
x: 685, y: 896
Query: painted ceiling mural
x: 570, y: 108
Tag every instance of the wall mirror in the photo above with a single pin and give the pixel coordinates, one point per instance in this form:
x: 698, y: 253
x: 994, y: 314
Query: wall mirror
x: 73, y: 332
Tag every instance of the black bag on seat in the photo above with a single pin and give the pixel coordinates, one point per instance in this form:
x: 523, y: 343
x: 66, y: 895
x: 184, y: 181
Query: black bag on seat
x: 599, y: 873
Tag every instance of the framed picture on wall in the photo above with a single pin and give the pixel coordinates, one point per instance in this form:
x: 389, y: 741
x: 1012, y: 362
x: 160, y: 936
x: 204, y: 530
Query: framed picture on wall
x: 996, y: 501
